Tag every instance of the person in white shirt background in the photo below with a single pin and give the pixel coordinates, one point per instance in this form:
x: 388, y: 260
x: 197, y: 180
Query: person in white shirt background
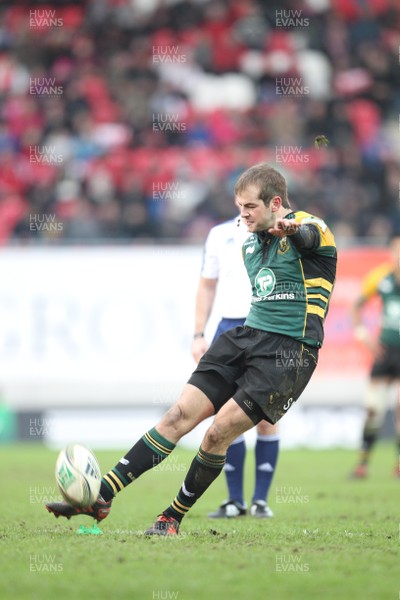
x: 223, y: 272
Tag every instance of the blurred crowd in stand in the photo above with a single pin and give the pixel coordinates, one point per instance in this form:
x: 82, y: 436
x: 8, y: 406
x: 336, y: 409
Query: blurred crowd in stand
x: 131, y: 119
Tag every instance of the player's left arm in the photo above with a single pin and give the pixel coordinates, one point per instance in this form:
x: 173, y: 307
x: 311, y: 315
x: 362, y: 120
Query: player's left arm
x: 303, y: 236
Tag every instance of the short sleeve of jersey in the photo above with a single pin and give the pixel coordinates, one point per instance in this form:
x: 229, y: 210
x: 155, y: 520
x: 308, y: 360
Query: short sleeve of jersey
x: 371, y: 282
x: 210, y: 266
x: 326, y: 236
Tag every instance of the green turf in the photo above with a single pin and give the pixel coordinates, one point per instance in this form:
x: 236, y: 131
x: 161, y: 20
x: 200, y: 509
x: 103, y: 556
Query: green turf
x: 331, y: 538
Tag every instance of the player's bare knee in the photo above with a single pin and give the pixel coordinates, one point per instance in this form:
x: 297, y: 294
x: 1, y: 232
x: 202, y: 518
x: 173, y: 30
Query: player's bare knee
x: 215, y: 438
x: 174, y: 418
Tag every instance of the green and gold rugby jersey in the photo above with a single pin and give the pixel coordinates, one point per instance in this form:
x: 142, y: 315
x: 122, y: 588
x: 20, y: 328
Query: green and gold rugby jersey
x: 291, y: 287
x: 381, y: 281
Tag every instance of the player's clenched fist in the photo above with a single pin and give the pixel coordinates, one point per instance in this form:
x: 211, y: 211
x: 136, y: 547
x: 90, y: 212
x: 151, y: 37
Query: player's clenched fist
x: 284, y: 227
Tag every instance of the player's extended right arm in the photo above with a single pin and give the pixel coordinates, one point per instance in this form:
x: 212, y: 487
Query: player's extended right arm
x: 204, y: 302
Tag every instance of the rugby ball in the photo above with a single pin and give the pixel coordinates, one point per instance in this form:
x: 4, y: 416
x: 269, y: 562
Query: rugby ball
x: 78, y: 475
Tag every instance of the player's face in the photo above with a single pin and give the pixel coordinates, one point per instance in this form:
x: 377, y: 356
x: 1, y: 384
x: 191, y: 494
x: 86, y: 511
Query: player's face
x: 253, y: 211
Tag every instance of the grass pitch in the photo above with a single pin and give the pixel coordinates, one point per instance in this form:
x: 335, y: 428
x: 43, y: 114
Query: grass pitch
x: 330, y: 537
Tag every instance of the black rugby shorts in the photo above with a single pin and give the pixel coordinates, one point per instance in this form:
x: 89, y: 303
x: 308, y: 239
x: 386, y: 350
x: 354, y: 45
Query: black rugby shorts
x: 265, y: 373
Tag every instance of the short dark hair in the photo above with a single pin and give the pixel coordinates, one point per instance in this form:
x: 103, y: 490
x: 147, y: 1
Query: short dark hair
x: 268, y: 180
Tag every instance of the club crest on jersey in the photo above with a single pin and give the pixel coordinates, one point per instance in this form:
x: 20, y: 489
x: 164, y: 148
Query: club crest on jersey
x: 283, y: 246
x: 265, y: 282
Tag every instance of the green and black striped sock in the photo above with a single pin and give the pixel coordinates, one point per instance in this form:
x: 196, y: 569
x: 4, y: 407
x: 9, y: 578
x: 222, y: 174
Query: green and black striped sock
x: 204, y: 469
x: 147, y: 453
